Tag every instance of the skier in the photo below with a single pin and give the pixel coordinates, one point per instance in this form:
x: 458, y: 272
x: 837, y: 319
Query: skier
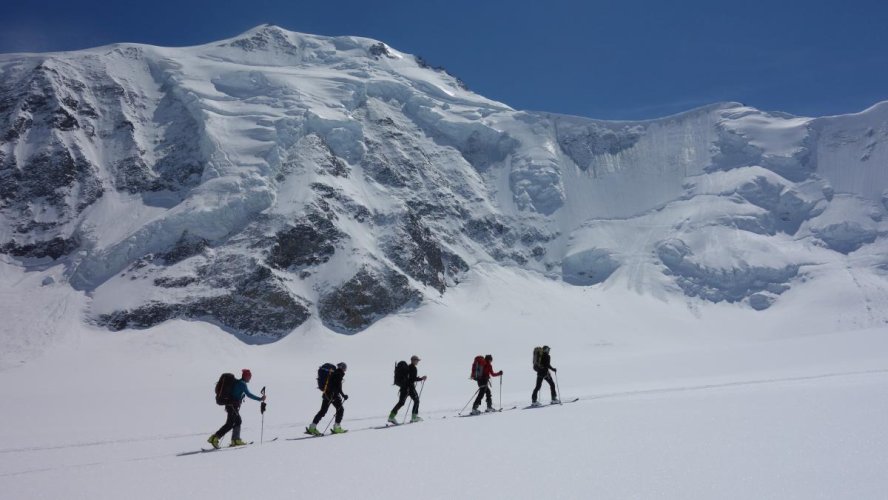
x: 331, y: 395
x: 542, y: 368
x: 483, y: 384
x: 233, y: 422
x: 408, y: 388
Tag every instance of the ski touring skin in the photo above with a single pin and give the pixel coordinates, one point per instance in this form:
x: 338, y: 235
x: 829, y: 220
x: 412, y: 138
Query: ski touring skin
x: 531, y: 407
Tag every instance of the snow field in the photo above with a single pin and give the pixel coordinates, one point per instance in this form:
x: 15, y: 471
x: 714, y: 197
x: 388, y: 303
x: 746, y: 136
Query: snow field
x: 674, y: 404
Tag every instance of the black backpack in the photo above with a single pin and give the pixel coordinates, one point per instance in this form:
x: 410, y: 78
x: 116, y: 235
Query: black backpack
x: 537, y: 358
x: 224, y: 387
x: 402, y: 372
x: 324, y: 373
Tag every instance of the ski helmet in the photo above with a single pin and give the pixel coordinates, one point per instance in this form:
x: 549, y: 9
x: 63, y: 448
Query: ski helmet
x: 341, y: 365
x: 246, y: 374
x: 488, y: 358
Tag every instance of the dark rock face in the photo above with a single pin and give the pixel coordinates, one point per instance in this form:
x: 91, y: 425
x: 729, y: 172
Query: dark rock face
x: 310, y: 242
x: 42, y: 107
x: 259, y: 305
x: 51, y: 175
x: 170, y: 282
x: 584, y: 144
x: 378, y: 50
x: 417, y: 253
x: 53, y: 248
x: 268, y: 38
x: 187, y: 246
x: 365, y: 298
x: 146, y: 316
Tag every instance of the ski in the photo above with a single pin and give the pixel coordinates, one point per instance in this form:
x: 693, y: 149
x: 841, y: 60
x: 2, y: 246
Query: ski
x: 488, y: 412
x: 390, y: 425
x: 531, y: 407
x: 223, y: 448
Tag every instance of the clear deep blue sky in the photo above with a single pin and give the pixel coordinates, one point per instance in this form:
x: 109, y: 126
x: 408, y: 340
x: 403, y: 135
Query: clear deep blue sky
x: 601, y: 59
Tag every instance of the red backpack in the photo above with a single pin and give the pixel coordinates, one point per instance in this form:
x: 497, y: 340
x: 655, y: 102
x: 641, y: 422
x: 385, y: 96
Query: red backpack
x: 478, y: 367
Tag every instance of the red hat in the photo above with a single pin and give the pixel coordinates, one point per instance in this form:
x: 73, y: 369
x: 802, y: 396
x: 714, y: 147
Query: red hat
x: 246, y: 373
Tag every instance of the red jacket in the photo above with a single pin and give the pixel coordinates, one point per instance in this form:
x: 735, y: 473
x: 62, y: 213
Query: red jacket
x: 487, y: 370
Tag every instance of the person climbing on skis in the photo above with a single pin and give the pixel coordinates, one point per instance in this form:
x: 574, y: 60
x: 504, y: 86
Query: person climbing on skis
x: 407, y: 384
x: 482, y: 376
x: 232, y: 409
x: 542, y: 364
x: 332, y: 394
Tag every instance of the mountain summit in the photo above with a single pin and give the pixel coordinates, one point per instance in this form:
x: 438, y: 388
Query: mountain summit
x: 261, y: 180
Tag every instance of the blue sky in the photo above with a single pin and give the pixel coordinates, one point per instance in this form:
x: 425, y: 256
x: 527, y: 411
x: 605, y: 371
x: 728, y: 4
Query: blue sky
x: 602, y: 59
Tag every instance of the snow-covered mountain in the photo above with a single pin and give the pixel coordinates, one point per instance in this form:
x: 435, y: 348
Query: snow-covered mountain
x: 275, y: 176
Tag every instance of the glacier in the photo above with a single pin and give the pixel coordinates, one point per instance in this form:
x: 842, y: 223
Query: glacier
x: 259, y: 181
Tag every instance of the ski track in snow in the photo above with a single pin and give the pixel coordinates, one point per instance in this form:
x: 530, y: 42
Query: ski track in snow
x: 581, y: 399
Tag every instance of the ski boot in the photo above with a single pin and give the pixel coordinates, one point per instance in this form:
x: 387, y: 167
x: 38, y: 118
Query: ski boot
x: 237, y: 442
x: 489, y: 410
x: 214, y: 440
x: 415, y: 418
x: 338, y: 430
x: 313, y: 430
x: 475, y: 412
x: 535, y: 404
x: 392, y: 420
x: 555, y: 401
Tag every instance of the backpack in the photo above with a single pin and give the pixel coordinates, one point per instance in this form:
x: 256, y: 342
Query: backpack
x: 402, y: 371
x: 324, y: 372
x: 224, y: 387
x: 537, y: 357
x: 478, y: 368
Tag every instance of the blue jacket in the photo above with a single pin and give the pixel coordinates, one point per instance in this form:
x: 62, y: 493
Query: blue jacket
x: 240, y: 390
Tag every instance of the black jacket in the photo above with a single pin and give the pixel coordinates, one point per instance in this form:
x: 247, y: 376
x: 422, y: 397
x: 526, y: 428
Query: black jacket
x: 545, y: 363
x: 334, y: 385
x: 412, y: 376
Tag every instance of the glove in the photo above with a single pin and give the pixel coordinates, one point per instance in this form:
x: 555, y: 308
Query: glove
x: 500, y: 373
x: 345, y: 397
x: 554, y: 370
x: 424, y: 377
x: 262, y: 398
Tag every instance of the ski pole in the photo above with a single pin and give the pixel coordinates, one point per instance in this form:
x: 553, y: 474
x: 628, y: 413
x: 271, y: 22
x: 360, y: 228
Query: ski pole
x: 404, y: 420
x: 501, y: 393
x: 328, y: 423
x: 262, y: 411
x: 470, y: 401
x: 559, y: 389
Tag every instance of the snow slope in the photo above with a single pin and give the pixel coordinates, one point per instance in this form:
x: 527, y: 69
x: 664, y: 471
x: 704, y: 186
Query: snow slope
x: 273, y: 177
x: 729, y: 403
